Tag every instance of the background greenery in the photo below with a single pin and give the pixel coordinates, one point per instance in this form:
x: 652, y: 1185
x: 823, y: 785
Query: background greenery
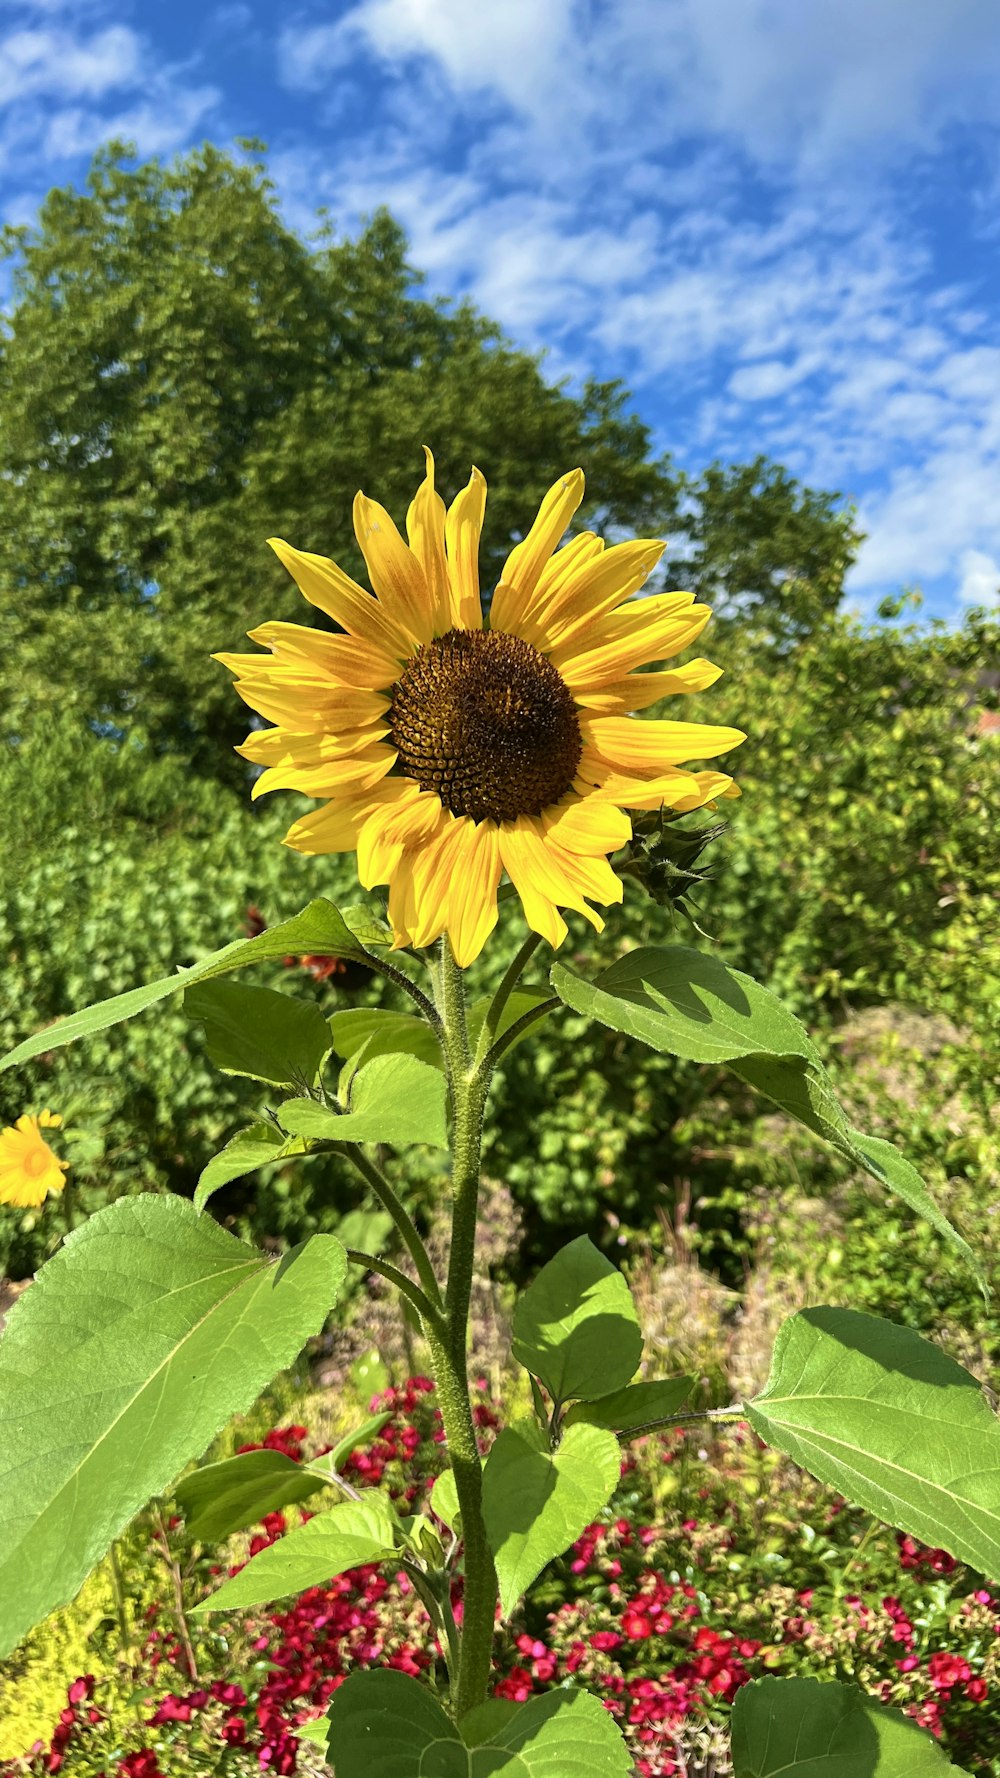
x: 181, y: 376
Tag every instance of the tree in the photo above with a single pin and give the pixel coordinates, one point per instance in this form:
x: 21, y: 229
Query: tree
x: 762, y: 549
x: 181, y: 376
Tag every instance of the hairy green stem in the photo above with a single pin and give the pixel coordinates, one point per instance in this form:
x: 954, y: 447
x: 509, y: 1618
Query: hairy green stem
x: 448, y: 1342
x: 406, y: 1287
x: 405, y: 1225
x: 491, y: 1023
x: 400, y: 979
x: 533, y: 1016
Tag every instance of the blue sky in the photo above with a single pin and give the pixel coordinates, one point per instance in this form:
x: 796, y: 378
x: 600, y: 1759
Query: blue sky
x: 778, y: 220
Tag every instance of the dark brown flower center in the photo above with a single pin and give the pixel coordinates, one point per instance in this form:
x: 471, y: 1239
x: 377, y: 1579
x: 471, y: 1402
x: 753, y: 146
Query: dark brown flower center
x: 487, y: 722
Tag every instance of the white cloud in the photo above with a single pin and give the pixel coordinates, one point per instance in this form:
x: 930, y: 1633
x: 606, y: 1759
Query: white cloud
x: 980, y: 583
x: 54, y: 63
x: 64, y: 91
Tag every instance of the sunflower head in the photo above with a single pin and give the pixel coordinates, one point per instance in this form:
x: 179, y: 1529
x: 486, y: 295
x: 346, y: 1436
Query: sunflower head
x: 29, y: 1169
x: 447, y: 747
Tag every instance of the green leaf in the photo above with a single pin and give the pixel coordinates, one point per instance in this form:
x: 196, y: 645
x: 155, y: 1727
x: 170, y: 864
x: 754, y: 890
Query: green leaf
x: 628, y: 1410
x: 318, y: 930
x: 366, y: 926
x: 444, y: 1501
x: 522, y: 1000
x: 685, y: 1003
x: 260, y: 1033
x: 371, y: 1032
x: 350, y: 1535
x: 257, y: 1146
x: 536, y: 1502
x: 383, y: 1724
x: 144, y: 1334
x: 821, y: 1729
x: 890, y: 1421
x: 394, y: 1099
x: 360, y: 1435
x: 225, y: 1497
x: 575, y: 1326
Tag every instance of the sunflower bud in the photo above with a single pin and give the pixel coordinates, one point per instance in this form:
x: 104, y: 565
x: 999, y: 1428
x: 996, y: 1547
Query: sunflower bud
x: 663, y: 856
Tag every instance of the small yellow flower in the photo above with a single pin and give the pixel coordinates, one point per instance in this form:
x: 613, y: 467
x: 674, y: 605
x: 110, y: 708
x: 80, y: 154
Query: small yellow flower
x: 449, y: 748
x: 28, y: 1167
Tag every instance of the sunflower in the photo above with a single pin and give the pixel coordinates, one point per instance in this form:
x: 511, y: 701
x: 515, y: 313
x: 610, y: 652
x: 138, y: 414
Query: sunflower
x: 28, y: 1167
x: 449, y: 748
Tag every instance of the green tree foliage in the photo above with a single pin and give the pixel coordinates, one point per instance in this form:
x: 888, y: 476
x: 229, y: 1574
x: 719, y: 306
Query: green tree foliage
x: 181, y: 376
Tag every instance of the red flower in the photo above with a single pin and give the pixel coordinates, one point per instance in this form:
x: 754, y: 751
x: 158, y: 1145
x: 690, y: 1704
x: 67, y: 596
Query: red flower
x: 948, y: 1670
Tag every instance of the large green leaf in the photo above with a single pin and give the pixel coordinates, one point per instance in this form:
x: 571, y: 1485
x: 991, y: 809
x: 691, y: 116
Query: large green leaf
x: 817, y: 1728
x: 893, y: 1423
x: 224, y: 1497
x: 576, y: 1327
x: 320, y: 929
x: 350, y: 1535
x: 257, y: 1146
x: 383, y: 1724
x: 629, y: 1410
x: 364, y: 1032
x: 688, y: 1004
x: 259, y: 1032
x: 394, y: 1099
x: 536, y: 1502
x: 134, y: 1345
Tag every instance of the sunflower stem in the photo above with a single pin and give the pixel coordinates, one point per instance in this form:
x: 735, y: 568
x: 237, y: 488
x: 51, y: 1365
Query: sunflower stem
x: 534, y: 1015
x: 405, y: 1225
x: 491, y: 1023
x: 448, y: 1343
x: 406, y: 1287
x: 401, y: 980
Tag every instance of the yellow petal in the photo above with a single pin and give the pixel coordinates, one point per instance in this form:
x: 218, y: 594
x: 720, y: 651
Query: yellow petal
x: 514, y: 597
x: 425, y: 530
x: 630, y: 744
x: 409, y: 817
x: 671, y: 790
x: 396, y: 574
x: 590, y: 594
x: 588, y: 826
x: 335, y: 826
x: 638, y: 690
x: 463, y: 529
x: 339, y: 776
x: 612, y: 658
x: 351, y: 606
x: 542, y: 887
x: 474, y: 866
x: 349, y: 660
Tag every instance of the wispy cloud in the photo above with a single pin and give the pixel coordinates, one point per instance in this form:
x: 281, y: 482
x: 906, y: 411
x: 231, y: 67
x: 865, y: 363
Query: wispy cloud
x: 65, y: 87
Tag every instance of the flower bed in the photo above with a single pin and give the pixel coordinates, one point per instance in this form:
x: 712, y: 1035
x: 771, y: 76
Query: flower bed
x: 717, y: 1564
